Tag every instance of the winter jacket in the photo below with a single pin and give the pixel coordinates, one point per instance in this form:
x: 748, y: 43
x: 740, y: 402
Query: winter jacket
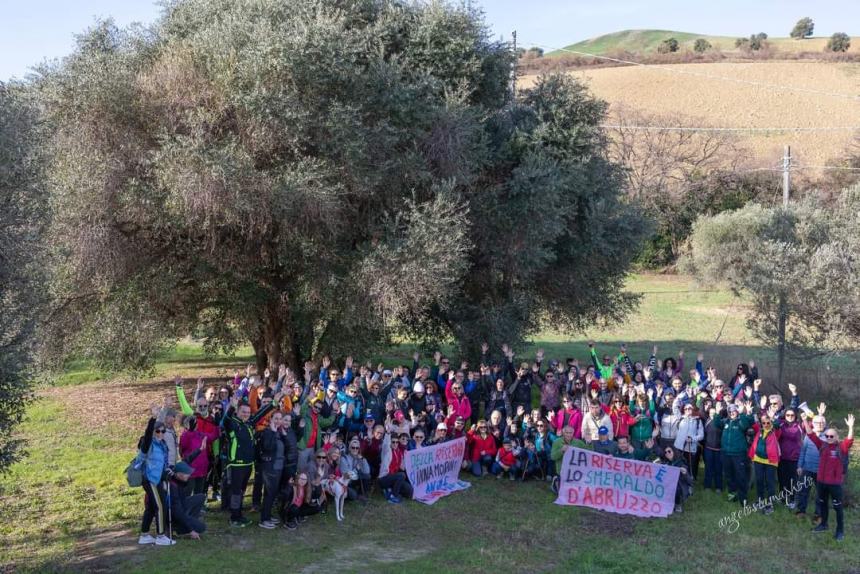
x: 669, y: 423
x: 353, y: 464
x: 506, y: 457
x: 830, y: 469
x: 550, y: 397
x: 621, y: 421
x: 690, y: 432
x: 191, y: 441
x: 154, y: 454
x: 241, y: 445
x: 461, y: 404
x: 571, y: 418
x: 713, y: 435
x: 790, y: 441
x: 557, y: 453
x: 590, y: 427
x: 808, y: 459
x: 272, y: 451
x: 771, y: 440
x: 641, y: 430
x: 499, y: 401
x: 734, y: 440
x: 314, y: 425
x: 478, y: 444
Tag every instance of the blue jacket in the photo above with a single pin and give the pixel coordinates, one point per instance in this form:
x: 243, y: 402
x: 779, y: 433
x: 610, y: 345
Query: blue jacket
x: 153, y: 454
x: 808, y: 456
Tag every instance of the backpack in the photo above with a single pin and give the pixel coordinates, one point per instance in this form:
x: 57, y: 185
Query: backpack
x: 134, y: 470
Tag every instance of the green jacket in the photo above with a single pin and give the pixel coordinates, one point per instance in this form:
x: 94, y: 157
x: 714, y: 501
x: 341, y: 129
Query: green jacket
x: 734, y: 440
x: 641, y: 431
x: 322, y: 422
x: 557, y: 452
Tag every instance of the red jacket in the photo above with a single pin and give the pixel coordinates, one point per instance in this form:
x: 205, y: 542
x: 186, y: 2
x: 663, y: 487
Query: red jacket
x: 771, y: 442
x: 478, y: 444
x: 461, y: 404
x: 830, y: 459
x: 621, y: 421
x: 507, y: 457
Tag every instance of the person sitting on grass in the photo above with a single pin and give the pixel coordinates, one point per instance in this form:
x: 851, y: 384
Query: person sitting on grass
x: 392, y: 474
x: 299, y: 499
x: 603, y: 444
x: 185, y: 510
x: 682, y: 490
x: 482, y: 447
x: 831, y: 474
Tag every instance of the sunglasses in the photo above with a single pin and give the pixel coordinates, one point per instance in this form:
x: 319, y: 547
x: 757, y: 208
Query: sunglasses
x: 830, y: 436
x: 320, y: 458
x: 159, y: 431
x: 419, y: 437
x: 353, y: 448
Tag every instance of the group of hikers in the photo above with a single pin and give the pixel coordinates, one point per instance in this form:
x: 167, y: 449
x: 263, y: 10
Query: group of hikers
x: 332, y: 432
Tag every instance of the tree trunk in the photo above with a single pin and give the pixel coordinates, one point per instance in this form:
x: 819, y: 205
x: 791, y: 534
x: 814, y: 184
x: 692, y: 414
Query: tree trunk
x: 259, y: 345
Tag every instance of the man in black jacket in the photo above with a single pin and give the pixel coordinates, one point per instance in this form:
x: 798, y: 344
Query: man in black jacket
x: 241, y: 450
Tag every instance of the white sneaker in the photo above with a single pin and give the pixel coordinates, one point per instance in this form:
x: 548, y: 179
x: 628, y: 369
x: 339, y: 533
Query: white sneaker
x: 274, y: 520
x: 268, y: 525
x: 164, y: 541
x: 146, y: 538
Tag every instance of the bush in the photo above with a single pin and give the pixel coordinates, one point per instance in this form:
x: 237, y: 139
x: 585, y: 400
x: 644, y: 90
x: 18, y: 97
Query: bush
x: 839, y: 42
x: 803, y: 28
x: 701, y: 46
x: 668, y: 45
x: 742, y: 43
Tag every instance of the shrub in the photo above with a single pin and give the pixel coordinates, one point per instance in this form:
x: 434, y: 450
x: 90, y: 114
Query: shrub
x: 839, y: 42
x: 667, y: 46
x: 701, y: 46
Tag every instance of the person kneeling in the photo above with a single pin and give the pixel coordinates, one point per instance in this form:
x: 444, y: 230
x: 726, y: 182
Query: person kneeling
x: 299, y: 499
x: 506, y: 461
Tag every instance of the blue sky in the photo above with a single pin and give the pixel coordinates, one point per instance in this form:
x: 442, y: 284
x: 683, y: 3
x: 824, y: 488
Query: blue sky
x: 34, y: 30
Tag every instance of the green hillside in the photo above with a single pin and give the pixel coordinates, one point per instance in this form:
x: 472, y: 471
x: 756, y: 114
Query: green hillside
x: 645, y: 41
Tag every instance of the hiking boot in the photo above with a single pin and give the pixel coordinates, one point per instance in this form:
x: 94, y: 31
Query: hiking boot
x: 291, y: 525
x: 394, y: 499
x: 164, y: 541
x: 555, y: 484
x: 267, y: 524
x: 792, y: 505
x: 511, y: 477
x: 146, y: 538
x: 820, y: 528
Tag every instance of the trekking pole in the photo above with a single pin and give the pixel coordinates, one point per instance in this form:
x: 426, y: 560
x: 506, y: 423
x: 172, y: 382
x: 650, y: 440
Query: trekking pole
x: 169, y: 511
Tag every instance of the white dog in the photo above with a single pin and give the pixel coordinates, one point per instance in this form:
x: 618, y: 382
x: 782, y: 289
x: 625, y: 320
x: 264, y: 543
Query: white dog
x: 338, y: 488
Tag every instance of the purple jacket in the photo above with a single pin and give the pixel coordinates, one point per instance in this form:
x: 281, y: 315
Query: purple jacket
x: 790, y: 441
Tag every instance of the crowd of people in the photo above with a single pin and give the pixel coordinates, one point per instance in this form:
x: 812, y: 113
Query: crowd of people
x: 333, y: 434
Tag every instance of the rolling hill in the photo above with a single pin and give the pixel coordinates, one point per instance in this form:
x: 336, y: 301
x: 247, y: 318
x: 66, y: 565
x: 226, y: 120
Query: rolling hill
x: 646, y: 41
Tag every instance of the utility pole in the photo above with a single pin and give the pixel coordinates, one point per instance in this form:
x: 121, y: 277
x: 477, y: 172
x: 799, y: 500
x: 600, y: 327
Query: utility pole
x: 514, y: 74
x: 780, y: 350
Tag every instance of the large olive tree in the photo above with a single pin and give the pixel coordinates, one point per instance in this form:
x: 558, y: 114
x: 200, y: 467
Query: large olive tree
x: 317, y: 176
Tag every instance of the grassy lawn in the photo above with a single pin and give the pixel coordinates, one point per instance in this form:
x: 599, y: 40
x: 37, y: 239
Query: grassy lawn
x: 67, y: 508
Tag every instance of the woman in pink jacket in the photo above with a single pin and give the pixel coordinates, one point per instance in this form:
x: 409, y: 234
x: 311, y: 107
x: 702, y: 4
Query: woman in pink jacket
x: 191, y: 440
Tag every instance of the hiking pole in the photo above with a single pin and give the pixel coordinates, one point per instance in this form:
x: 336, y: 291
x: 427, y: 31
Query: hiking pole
x: 169, y: 511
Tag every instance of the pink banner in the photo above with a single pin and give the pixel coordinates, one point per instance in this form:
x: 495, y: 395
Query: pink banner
x: 619, y: 485
x: 433, y: 470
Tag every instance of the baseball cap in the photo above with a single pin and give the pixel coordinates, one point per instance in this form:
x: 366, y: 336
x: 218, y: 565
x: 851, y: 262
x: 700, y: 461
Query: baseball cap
x: 603, y: 430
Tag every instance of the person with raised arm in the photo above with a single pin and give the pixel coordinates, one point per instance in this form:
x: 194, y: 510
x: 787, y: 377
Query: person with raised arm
x: 734, y: 449
x: 831, y: 457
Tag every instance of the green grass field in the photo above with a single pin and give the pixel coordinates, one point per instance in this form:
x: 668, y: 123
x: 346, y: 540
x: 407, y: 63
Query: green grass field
x: 647, y: 41
x: 67, y: 508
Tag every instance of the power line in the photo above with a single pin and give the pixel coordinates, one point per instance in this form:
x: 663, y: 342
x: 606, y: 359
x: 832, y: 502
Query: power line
x: 706, y: 75
x: 732, y: 129
x: 825, y: 167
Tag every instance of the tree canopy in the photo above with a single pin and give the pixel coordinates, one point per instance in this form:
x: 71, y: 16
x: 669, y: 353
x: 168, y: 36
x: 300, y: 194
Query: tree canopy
x: 320, y: 176
x: 807, y: 253
x: 803, y: 28
x: 22, y: 220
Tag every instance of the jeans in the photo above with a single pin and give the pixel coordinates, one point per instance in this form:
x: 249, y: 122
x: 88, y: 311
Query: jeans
x: 397, y: 484
x: 834, y: 492
x: 713, y: 469
x: 736, y: 474
x: 806, y: 481
x: 271, y: 484
x: 497, y: 469
x: 765, y: 481
x: 477, y: 465
x: 787, y: 474
x: 239, y: 476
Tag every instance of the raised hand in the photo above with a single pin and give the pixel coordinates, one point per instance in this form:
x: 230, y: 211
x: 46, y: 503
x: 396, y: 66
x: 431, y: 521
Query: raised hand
x: 437, y: 356
x: 199, y: 383
x: 539, y: 355
x: 415, y: 356
x: 654, y: 350
x: 485, y: 348
x: 681, y: 353
x: 348, y: 363
x: 154, y: 409
x: 849, y: 421
x: 624, y: 348
x: 178, y: 381
x: 763, y: 403
x: 822, y: 408
x: 792, y: 388
x: 748, y: 392
x: 752, y: 364
x: 756, y: 384
x: 700, y: 357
